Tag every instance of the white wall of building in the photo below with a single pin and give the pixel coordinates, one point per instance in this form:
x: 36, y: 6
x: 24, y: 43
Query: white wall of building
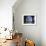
x: 43, y: 22
x: 6, y: 13
x: 38, y: 31
x: 29, y: 31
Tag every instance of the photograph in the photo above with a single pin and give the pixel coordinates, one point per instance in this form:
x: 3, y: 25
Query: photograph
x: 29, y: 20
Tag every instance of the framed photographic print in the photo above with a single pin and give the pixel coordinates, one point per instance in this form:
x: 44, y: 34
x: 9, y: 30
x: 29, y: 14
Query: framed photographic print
x: 29, y: 20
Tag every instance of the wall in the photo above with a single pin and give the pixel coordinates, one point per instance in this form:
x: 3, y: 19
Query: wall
x: 43, y: 22
x: 6, y: 13
x: 29, y: 31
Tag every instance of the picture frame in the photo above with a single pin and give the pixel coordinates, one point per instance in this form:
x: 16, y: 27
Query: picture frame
x: 29, y: 19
